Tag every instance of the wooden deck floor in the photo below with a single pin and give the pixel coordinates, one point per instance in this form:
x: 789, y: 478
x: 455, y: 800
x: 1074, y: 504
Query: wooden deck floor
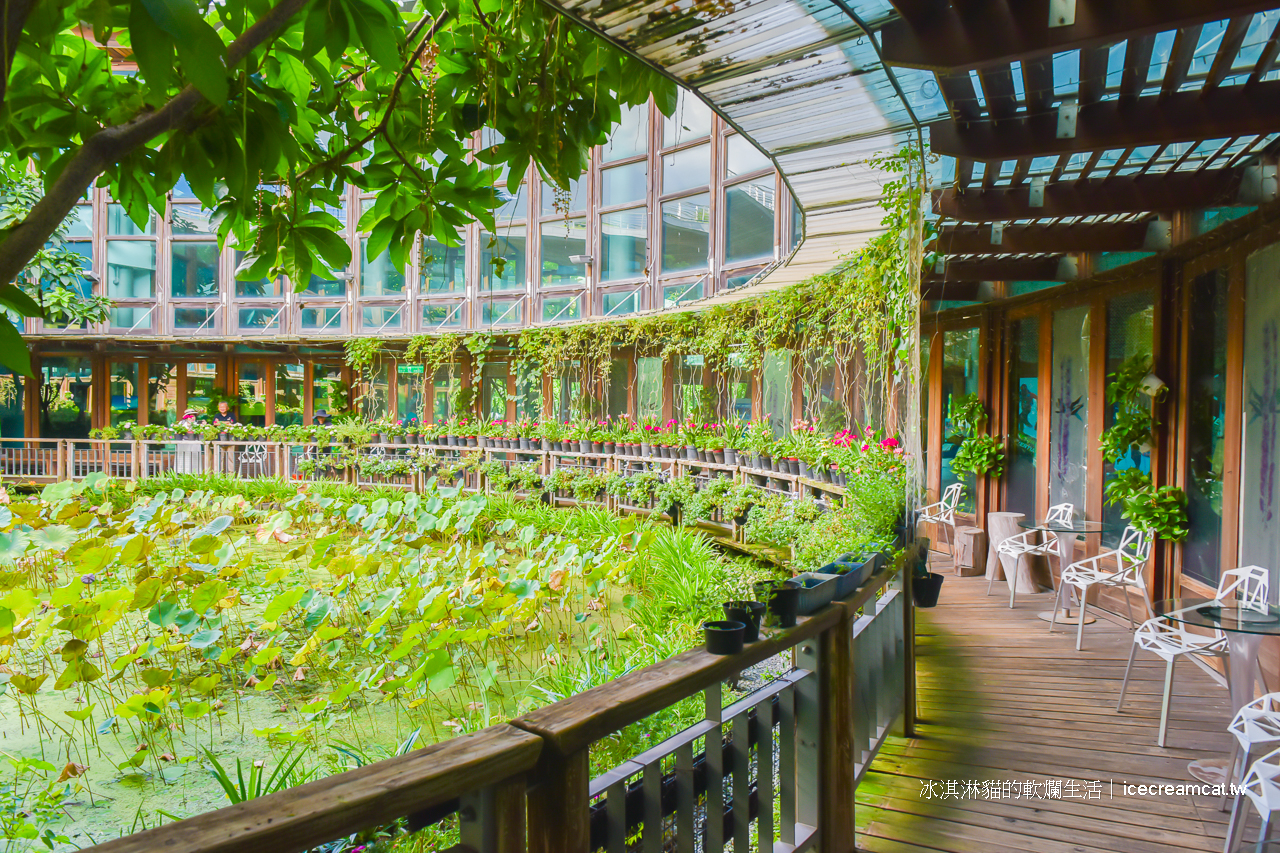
x: 1002, y: 699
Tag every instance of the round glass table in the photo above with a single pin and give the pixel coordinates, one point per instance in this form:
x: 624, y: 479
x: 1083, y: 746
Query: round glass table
x: 1065, y: 535
x: 1244, y: 629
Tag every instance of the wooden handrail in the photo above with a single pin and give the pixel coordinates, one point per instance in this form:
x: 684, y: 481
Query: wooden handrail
x: 300, y: 818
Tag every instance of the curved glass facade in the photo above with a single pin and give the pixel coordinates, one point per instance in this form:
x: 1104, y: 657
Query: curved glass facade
x: 669, y: 211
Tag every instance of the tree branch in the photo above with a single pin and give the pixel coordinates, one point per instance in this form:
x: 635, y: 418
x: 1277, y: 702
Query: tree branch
x: 15, y: 18
x: 111, y: 144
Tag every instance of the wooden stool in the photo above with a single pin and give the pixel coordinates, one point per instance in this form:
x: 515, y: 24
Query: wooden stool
x: 970, y: 551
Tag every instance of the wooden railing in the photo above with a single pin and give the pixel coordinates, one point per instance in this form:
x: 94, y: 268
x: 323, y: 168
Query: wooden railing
x: 802, y: 741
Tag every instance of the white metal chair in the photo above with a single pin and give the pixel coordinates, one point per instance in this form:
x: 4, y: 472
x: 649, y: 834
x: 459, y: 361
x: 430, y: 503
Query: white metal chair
x: 1255, y: 725
x: 1129, y: 558
x: 1025, y: 544
x: 1262, y: 787
x: 1169, y: 639
x: 943, y: 512
x: 253, y: 456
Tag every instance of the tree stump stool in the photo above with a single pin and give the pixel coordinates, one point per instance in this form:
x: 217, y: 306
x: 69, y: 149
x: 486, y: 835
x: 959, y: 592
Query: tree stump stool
x: 970, y: 551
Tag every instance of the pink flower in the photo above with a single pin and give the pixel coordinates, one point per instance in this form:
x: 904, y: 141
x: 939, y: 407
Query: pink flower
x: 866, y: 447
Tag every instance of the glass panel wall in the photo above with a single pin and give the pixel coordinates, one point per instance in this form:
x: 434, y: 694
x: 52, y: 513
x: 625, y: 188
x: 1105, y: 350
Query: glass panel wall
x: 162, y: 393
x: 959, y: 379
x: 66, y: 396
x: 123, y: 381
x: 649, y: 388
x: 252, y: 407
x: 493, y: 391
x: 1207, y: 387
x: 13, y: 423
x: 775, y: 375
x: 288, y: 394
x: 1259, y: 513
x: 1069, y: 409
x: 329, y: 390
x: 202, y: 388
x: 1024, y: 398
x: 410, y: 396
x: 1130, y: 334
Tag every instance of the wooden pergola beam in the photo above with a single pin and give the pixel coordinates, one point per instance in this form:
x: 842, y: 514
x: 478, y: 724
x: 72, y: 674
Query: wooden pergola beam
x: 1003, y: 269
x: 1039, y: 239
x: 986, y: 33
x: 1090, y: 197
x: 965, y: 291
x: 1178, y: 117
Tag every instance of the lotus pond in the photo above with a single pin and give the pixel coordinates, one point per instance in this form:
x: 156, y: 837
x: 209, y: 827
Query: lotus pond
x: 168, y: 647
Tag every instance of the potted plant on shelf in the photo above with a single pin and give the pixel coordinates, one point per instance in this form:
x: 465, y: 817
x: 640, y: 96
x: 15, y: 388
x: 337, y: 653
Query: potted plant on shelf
x: 925, y: 585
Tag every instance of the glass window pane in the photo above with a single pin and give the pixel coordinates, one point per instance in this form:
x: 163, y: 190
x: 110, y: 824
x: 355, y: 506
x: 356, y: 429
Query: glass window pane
x: 259, y: 319
x: 623, y: 244
x: 202, y: 382
x: 1069, y: 409
x: 742, y: 157
x: 678, y: 294
x: 529, y: 391
x: 556, y: 309
x: 195, y: 270
x: 686, y: 169
x: 686, y: 233
x: 493, y: 391
x: 202, y: 319
x: 557, y: 203
x: 124, y: 393
x: 288, y: 394
x: 503, y: 313
x: 775, y: 374
x: 120, y: 225
x: 561, y: 240
x: 382, y: 318
x: 620, y: 303
x: 322, y: 286
x: 624, y: 184
x: 1261, y: 414
x: 631, y: 137
x: 690, y: 121
x: 379, y: 276
x: 619, y: 371
x: 959, y: 379
x: 64, y: 399
x: 321, y: 318
x: 749, y: 220
x: 410, y: 391
x: 444, y: 385
x: 190, y: 219
x: 131, y: 269
x: 261, y: 287
x: 1024, y: 391
x: 739, y: 279
x: 252, y: 408
x: 12, y: 390
x: 513, y: 208
x: 329, y: 395
x: 182, y: 189
x: 1206, y: 437
x: 132, y: 318
x: 648, y: 388
x: 1130, y: 335
x: 507, y: 248
x: 85, y: 250
x: 162, y: 393
x: 80, y: 221
x: 443, y: 268
x: 442, y: 316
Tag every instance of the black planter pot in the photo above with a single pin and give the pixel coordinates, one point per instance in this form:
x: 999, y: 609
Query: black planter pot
x: 597, y: 447
x: 784, y: 604
x: 723, y: 638
x: 126, y: 435
x: 925, y: 590
x: 749, y: 614
x: 608, y: 446
x: 673, y: 512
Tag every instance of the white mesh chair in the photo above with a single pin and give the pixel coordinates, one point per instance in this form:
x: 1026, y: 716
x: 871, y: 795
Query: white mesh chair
x: 943, y: 512
x: 1128, y: 559
x: 1025, y: 544
x: 1255, y: 726
x: 253, y: 457
x: 1169, y: 639
x: 1262, y: 788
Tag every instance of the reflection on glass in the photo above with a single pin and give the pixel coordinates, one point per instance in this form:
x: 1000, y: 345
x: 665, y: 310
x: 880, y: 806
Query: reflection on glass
x: 620, y: 303
x: 410, y: 391
x: 195, y: 319
x: 502, y: 313
x: 443, y: 268
x: 529, y: 391
x: 618, y: 374
x: 85, y: 251
x: 648, y: 388
x: 559, y: 308
x: 321, y: 318
x: 1206, y: 433
x: 775, y: 375
x: 64, y: 397
x: 959, y: 378
x: 561, y: 240
x: 202, y: 382
x: 320, y: 285
x: 631, y: 137
x: 741, y: 157
x: 624, y: 184
x: 120, y: 225
x: 1024, y: 396
x: 329, y: 396
x: 686, y: 233
x: 124, y: 393
x: 259, y: 320
x: 749, y: 220
x: 379, y: 276
x: 261, y: 287
x: 443, y: 316
x: 162, y: 393
x: 678, y: 294
x: 686, y: 169
x: 575, y: 201
x: 381, y: 318
x: 80, y: 221
x: 493, y: 391
x: 740, y: 278
x: 191, y: 219
x: 131, y: 269
x: 194, y: 270
x: 1261, y: 470
x: 1069, y: 408
x: 513, y: 208
x: 1130, y: 335
x: 623, y: 244
x: 288, y: 394
x: 502, y: 259
x: 133, y: 318
x: 443, y: 386
x: 690, y: 121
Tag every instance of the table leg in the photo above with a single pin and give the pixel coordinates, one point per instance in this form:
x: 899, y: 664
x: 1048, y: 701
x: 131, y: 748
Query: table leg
x: 1242, y: 665
x: 1066, y: 543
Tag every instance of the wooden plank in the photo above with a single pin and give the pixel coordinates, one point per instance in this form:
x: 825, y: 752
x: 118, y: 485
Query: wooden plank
x: 559, y: 813
x: 303, y: 817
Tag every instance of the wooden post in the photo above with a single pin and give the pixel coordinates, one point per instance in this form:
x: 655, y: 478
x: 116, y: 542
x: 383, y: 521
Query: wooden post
x: 559, y: 807
x: 838, y: 786
x: 909, y: 652
x: 491, y: 820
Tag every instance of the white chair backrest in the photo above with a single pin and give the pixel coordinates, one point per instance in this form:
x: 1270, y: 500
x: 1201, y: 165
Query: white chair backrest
x: 1060, y: 514
x: 951, y: 497
x: 1135, y: 548
x: 1249, y: 585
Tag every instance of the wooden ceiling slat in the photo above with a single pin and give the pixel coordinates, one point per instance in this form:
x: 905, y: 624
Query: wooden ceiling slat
x: 1266, y: 58
x: 971, y: 36
x: 1184, y: 47
x: 963, y: 291
x: 1000, y: 269
x: 1180, y: 117
x: 962, y: 100
x: 964, y: 172
x: 1040, y: 239
x: 1120, y: 195
x: 1091, y: 164
x: 1119, y: 164
x: 1137, y: 65
x: 1059, y: 167
x: 1093, y: 75
x: 1232, y: 39
x: 1037, y: 84
x: 1020, y: 172
x: 997, y: 88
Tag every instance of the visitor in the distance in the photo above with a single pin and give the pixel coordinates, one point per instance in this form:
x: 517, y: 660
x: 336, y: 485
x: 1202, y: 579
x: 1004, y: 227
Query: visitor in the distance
x: 223, y: 415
